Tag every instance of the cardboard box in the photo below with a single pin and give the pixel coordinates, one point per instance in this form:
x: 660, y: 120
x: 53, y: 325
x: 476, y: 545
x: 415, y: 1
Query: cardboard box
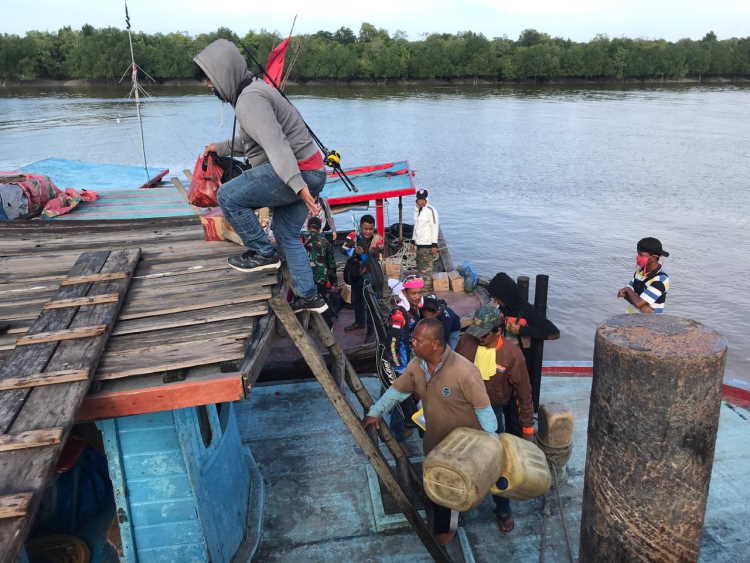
x: 440, y: 282
x: 393, y: 269
x: 456, y: 281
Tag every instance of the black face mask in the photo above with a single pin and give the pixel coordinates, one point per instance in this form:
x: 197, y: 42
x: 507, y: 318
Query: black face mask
x: 216, y: 93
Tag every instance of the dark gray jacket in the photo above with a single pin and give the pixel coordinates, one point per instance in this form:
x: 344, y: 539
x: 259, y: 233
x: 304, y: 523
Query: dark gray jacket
x: 270, y: 128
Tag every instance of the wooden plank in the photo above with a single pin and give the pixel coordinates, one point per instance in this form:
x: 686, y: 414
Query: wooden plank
x: 30, y: 439
x: 162, y: 397
x: 154, y: 301
x: 201, y: 277
x: 51, y: 406
x: 12, y: 506
x: 44, y: 265
x: 185, y: 270
x: 86, y: 240
x: 139, y: 314
x: 58, y: 335
x: 310, y: 352
x: 190, y: 318
x: 171, y: 357
x: 133, y: 344
x: 182, y: 363
x: 94, y: 278
x: 81, y: 301
x: 46, y: 378
x: 14, y: 289
x: 28, y: 360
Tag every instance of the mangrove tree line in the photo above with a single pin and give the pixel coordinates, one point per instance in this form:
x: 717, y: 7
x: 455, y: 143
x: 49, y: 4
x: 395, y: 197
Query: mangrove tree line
x: 375, y: 54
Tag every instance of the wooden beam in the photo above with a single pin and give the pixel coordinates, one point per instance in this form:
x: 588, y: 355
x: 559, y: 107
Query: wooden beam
x: 81, y: 301
x: 161, y: 397
x: 30, y: 439
x: 45, y: 378
x: 350, y: 375
x: 92, y: 278
x: 181, y: 188
x: 258, y: 348
x: 58, y: 335
x: 12, y: 506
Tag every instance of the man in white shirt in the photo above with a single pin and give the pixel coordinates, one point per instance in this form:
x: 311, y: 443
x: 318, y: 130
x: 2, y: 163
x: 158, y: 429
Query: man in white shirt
x: 426, y: 225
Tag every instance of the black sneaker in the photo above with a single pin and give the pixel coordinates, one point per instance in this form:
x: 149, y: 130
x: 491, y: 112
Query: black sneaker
x: 315, y: 304
x: 252, y: 262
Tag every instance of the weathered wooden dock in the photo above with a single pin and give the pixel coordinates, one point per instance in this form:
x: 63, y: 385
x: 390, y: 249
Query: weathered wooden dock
x: 134, y: 310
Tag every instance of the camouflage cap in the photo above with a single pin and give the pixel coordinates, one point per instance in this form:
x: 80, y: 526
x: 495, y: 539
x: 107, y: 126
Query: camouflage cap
x: 485, y: 319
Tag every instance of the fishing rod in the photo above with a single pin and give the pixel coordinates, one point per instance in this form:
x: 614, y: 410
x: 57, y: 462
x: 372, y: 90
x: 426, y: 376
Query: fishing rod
x: 332, y: 158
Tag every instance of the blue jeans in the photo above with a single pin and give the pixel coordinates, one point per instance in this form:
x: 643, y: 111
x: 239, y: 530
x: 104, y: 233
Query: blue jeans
x: 261, y: 187
x: 454, y: 338
x: 397, y: 424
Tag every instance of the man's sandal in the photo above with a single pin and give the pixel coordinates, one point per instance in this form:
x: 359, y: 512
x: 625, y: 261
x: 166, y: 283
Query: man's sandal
x: 505, y: 522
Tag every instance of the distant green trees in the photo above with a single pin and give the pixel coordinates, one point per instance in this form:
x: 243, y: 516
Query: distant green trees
x: 374, y: 54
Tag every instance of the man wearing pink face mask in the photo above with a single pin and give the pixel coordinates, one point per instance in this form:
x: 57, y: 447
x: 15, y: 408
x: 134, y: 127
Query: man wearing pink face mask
x: 647, y: 291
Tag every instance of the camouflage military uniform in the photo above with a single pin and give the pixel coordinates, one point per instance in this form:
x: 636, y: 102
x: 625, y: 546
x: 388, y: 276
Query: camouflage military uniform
x: 425, y: 259
x: 322, y: 260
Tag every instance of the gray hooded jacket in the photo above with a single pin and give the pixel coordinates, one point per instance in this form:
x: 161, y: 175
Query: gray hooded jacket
x: 270, y: 128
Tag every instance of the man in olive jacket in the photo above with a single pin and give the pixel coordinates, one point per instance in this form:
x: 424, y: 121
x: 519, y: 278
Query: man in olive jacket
x: 503, y: 369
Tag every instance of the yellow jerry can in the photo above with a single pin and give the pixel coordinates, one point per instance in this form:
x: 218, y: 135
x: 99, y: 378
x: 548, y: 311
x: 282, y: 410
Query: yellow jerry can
x: 524, y: 473
x: 460, y: 470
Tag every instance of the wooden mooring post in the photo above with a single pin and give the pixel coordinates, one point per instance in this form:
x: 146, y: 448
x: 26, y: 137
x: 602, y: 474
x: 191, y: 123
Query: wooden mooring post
x: 653, y: 418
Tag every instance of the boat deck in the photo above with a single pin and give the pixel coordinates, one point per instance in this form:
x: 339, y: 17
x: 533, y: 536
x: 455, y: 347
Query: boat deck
x: 319, y: 506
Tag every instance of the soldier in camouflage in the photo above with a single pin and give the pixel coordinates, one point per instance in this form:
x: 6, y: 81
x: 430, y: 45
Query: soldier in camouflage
x: 322, y: 261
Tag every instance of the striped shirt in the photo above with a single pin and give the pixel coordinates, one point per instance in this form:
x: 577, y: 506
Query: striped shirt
x: 651, y: 287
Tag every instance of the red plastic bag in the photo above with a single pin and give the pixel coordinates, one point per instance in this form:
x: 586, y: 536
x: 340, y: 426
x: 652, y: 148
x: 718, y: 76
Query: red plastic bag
x: 205, y: 183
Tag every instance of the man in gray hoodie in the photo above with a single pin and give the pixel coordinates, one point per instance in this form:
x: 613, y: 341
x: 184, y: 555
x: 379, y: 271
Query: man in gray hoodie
x: 287, y: 171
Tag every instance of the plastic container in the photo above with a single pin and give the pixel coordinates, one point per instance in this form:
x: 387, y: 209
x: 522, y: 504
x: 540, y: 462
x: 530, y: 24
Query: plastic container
x: 524, y: 473
x: 460, y: 470
x: 555, y: 425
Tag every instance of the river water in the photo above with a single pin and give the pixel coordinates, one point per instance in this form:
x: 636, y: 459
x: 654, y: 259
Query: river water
x: 527, y: 180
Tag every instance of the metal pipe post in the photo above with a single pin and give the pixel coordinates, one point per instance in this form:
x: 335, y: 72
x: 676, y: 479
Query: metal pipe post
x: 523, y: 287
x: 537, y: 346
x: 380, y: 217
x: 653, y: 418
x: 401, y: 221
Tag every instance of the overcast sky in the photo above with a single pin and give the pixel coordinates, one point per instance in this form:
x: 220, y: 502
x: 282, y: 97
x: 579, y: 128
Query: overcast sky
x: 579, y: 20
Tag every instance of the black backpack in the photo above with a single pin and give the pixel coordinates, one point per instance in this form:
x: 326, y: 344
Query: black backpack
x: 352, y: 270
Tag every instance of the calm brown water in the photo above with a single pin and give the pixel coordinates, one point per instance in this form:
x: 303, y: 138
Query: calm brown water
x: 555, y: 181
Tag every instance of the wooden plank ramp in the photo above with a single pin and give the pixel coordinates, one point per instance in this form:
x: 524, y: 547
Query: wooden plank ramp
x: 45, y: 379
x: 404, y: 483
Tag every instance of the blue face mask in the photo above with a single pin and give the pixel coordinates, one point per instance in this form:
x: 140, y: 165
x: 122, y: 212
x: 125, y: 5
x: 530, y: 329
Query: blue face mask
x: 363, y: 257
